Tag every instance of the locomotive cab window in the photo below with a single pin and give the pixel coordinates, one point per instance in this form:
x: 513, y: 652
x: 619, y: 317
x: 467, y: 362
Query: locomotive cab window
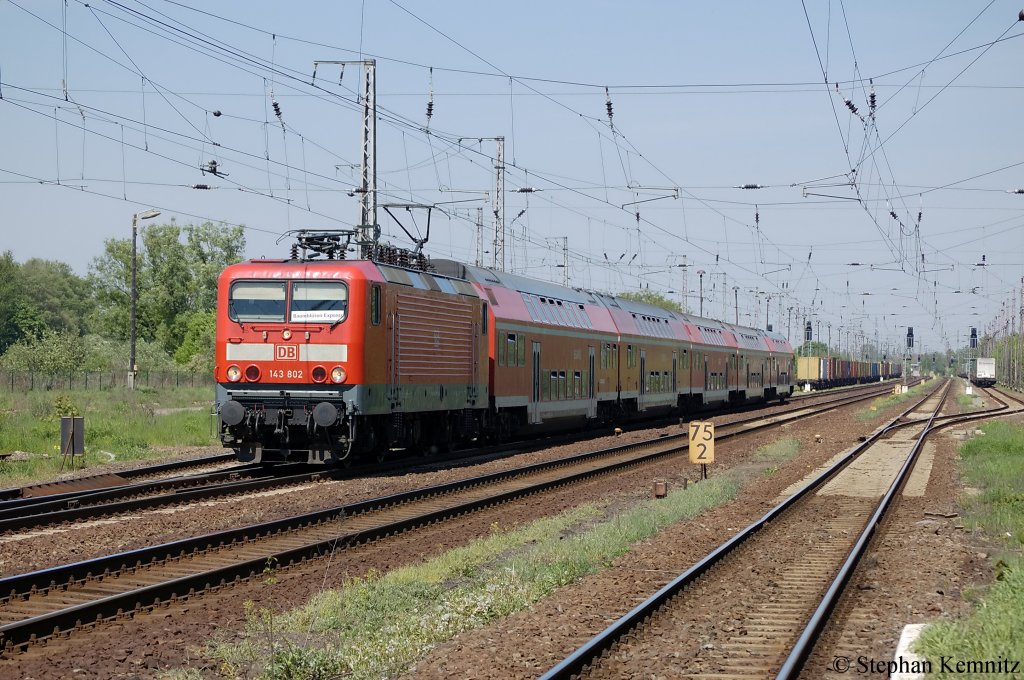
x: 251, y: 301
x: 319, y: 302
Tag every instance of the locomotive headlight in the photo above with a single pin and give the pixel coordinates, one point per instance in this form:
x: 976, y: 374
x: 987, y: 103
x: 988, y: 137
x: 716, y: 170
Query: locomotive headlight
x: 338, y: 374
x: 234, y: 373
x: 286, y: 334
x: 252, y: 372
x: 319, y: 374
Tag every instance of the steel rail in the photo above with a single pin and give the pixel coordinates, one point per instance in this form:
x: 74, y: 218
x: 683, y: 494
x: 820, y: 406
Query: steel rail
x: 92, y: 505
x: 811, y: 633
x: 19, y: 492
x: 25, y: 631
x: 576, y: 662
x: 66, y: 499
x: 27, y: 513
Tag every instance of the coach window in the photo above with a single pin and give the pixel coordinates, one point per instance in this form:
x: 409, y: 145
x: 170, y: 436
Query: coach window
x: 501, y: 349
x: 375, y: 305
x: 256, y: 301
x: 561, y: 385
x: 521, y: 349
x: 319, y: 301
x: 483, y: 320
x: 511, y: 349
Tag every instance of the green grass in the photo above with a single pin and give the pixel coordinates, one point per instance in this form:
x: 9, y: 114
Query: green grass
x: 380, y: 625
x: 777, y: 452
x: 771, y: 455
x: 967, y: 402
x: 993, y: 463
x: 881, y: 405
x: 117, y: 422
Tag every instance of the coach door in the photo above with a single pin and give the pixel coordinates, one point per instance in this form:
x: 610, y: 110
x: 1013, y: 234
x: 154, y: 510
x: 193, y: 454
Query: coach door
x: 675, y: 380
x: 534, y: 406
x: 591, y: 389
x: 643, y: 379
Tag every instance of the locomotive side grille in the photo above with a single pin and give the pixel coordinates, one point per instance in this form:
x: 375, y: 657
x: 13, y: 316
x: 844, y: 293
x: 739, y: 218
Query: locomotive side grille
x: 436, y: 340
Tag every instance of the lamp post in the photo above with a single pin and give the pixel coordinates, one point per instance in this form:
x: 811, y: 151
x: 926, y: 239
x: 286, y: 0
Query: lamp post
x: 132, y: 368
x: 736, y: 302
x: 700, y: 273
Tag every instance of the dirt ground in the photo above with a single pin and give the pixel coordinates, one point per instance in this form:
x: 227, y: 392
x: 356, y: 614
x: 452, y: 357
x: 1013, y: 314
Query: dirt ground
x: 522, y: 645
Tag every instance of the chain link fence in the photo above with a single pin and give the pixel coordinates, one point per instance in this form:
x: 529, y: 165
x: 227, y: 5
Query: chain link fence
x: 26, y: 381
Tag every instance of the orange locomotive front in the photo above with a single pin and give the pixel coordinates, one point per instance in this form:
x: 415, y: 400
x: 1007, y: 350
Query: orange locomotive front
x: 320, y: 360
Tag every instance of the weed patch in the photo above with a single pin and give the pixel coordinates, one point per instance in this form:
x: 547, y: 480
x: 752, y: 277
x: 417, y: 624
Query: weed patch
x: 880, y: 406
x: 379, y: 625
x: 118, y: 421
x: 993, y: 463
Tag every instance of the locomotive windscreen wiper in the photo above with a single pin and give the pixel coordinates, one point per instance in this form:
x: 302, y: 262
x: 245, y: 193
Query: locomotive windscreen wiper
x: 234, y: 312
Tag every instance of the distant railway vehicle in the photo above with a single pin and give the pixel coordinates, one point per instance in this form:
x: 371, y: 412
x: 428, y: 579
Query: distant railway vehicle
x: 983, y: 372
x: 823, y: 372
x: 323, y: 359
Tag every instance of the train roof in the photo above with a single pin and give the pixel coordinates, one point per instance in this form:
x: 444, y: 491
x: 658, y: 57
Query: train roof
x: 489, y: 277
x: 519, y: 298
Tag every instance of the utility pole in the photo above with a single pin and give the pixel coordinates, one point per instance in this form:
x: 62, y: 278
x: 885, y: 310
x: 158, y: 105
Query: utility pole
x: 565, y: 258
x: 133, y: 369
x: 700, y: 273
x: 499, y: 205
x: 725, y: 301
x: 367, y: 231
x: 479, y: 237
x: 736, y: 302
x: 685, y: 266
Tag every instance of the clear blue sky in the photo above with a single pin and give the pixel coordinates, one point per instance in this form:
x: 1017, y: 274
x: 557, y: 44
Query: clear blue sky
x: 706, y: 96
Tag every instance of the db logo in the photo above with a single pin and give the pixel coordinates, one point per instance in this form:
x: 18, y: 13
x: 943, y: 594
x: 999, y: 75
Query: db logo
x: 286, y: 352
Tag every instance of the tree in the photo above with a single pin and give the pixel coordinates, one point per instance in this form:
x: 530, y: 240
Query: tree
x: 652, y: 298
x: 53, y: 353
x: 10, y: 302
x: 197, y: 347
x: 813, y: 349
x: 60, y: 299
x: 177, y: 278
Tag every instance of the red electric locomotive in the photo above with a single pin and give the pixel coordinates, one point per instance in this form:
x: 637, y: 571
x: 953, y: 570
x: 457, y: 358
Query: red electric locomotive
x: 319, y: 359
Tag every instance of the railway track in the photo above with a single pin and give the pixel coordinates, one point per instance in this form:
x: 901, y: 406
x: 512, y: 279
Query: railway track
x: 108, y: 480
x: 778, y: 580
x: 849, y: 630
x: 56, y: 601
x: 95, y: 500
